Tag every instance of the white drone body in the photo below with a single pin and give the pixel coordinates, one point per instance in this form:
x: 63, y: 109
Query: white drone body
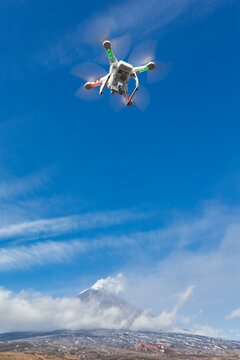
x: 120, y: 73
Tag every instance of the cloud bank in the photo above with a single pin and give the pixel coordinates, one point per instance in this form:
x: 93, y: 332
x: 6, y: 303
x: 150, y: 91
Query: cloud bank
x: 37, y: 312
x: 26, y: 311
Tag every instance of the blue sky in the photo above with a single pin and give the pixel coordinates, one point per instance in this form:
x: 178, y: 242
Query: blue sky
x: 88, y: 193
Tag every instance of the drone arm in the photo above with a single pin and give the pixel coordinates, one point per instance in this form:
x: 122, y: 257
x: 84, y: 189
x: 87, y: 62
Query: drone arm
x: 91, y: 84
x: 108, y: 47
x: 100, y: 82
x: 140, y: 69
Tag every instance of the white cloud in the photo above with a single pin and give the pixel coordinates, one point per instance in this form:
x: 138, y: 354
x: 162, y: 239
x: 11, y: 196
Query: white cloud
x: 13, y: 187
x: 27, y: 311
x: 53, y: 252
x: 18, y: 197
x: 183, y: 297
x: 208, y: 225
x: 202, y: 249
x: 21, y: 257
x: 68, y: 224
x: 113, y: 284
x: 26, y: 215
x: 234, y: 314
x: 205, y: 330
x: 34, y: 311
x: 166, y: 320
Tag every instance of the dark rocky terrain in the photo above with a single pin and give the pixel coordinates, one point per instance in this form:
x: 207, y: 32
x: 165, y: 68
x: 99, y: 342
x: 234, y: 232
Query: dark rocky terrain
x: 122, y: 344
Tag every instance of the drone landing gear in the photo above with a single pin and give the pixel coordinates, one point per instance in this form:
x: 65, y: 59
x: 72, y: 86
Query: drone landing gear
x: 129, y: 102
x: 104, y: 84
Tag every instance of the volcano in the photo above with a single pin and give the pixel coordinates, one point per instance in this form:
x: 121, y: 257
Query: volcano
x: 101, y: 299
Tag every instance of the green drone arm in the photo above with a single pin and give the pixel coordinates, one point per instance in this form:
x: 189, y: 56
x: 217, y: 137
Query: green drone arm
x: 108, y: 47
x: 140, y: 69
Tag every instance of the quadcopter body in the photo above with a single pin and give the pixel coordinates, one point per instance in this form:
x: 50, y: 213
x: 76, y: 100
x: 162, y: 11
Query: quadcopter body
x: 119, y: 74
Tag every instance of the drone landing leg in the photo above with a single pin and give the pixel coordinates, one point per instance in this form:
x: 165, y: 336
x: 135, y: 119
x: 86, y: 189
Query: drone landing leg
x: 129, y: 103
x: 134, y: 75
x: 126, y: 94
x: 104, y: 84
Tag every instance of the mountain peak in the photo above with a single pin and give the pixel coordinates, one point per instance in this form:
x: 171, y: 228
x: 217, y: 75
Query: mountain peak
x: 112, y: 284
x: 101, y: 298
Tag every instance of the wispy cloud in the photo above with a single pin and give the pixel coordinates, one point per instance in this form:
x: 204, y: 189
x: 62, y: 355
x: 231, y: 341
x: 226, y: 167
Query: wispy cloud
x: 168, y: 320
x: 53, y: 252
x: 22, y: 209
x: 234, y: 314
x: 68, y: 224
x: 20, y: 257
x: 216, y: 225
x: 205, y: 227
x: 206, y: 330
x: 19, y: 196
x: 15, y: 187
x: 139, y: 17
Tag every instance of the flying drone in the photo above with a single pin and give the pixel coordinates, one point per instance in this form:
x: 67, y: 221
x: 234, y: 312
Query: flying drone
x: 119, y: 74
